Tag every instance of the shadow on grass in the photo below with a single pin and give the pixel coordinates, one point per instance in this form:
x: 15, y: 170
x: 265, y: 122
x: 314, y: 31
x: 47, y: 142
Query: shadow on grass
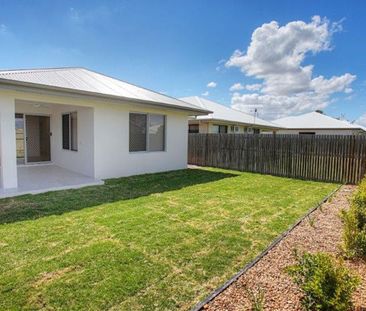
x: 58, y: 202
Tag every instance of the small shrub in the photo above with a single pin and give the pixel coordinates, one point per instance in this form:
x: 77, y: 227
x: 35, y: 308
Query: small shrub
x: 326, y: 283
x: 354, y: 231
x: 257, y: 299
x: 311, y: 221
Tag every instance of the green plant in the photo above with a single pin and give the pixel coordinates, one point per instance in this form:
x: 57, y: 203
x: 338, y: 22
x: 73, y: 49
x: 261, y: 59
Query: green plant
x: 326, y: 283
x: 257, y: 299
x: 311, y: 221
x: 354, y: 231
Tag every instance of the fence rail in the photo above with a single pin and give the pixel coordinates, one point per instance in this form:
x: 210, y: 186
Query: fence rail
x: 332, y: 158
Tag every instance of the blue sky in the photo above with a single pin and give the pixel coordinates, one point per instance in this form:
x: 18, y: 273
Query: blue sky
x: 178, y: 47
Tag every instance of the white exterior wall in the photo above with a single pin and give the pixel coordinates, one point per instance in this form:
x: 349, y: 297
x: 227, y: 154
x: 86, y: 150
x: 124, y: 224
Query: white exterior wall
x: 81, y: 161
x: 203, y: 128
x: 103, y: 135
x: 208, y: 127
x: 112, y: 156
x: 319, y: 132
x: 8, y: 172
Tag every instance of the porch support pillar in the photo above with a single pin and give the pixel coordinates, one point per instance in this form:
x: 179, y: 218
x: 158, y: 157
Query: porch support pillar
x: 9, y: 178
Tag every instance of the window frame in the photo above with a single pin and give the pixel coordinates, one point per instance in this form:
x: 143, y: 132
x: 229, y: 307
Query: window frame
x: 70, y: 131
x: 307, y: 134
x: 194, y: 125
x: 147, y: 134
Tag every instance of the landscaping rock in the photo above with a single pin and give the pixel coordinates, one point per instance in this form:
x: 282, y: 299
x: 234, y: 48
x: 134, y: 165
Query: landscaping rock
x: 321, y: 231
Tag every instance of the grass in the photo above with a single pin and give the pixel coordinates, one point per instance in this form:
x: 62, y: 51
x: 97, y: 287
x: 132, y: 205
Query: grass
x: 158, y: 241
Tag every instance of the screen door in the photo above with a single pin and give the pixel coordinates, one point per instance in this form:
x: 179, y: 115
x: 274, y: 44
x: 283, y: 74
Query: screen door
x: 38, y: 138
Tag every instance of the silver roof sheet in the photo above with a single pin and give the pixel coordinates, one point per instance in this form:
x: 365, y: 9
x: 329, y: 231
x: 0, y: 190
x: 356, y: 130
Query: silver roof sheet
x: 224, y: 113
x: 315, y: 120
x: 85, y: 81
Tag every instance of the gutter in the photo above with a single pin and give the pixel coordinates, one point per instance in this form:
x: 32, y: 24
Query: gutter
x: 242, y: 123
x: 322, y: 128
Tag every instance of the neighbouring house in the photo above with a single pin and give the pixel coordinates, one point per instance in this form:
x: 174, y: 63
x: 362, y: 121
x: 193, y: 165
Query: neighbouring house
x: 224, y: 119
x: 317, y: 123
x: 69, y: 127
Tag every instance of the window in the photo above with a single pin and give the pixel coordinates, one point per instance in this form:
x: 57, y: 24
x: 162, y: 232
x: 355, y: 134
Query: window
x: 307, y: 133
x: 219, y: 129
x: 69, y: 131
x: 194, y: 128
x: 223, y: 129
x: 256, y: 131
x: 138, y: 132
x: 156, y: 140
x: 234, y: 129
x: 147, y: 132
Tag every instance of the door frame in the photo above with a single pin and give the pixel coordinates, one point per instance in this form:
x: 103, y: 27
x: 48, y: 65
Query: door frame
x: 25, y: 138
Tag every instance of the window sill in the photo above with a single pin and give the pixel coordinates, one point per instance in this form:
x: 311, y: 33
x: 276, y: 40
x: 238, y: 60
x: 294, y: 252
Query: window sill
x: 69, y: 150
x: 144, y: 152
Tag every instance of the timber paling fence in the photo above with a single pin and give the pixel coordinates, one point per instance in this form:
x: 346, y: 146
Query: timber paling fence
x: 331, y: 158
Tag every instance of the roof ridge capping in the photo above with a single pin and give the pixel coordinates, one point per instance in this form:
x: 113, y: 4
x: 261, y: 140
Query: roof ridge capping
x: 30, y: 70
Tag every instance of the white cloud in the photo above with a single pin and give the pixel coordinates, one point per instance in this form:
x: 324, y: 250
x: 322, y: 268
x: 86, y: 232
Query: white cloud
x: 236, y: 87
x: 335, y: 84
x: 3, y: 29
x: 205, y: 93
x: 212, y: 84
x: 74, y: 15
x: 96, y: 15
x: 248, y: 87
x: 221, y: 65
x: 275, y: 55
x: 361, y: 120
x: 275, y: 106
x: 348, y: 90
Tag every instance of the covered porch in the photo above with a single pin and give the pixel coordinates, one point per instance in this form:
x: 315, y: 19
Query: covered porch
x: 40, y: 178
x: 45, y: 146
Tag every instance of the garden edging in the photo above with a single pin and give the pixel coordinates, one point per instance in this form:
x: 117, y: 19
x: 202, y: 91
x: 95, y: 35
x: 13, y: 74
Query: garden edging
x: 249, y: 265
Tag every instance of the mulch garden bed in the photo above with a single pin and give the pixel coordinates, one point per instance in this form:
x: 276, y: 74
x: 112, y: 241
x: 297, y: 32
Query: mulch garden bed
x: 321, y: 231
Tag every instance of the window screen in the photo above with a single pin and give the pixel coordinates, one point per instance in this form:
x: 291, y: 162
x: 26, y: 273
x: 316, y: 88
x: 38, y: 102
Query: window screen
x: 194, y: 128
x: 70, y: 131
x: 74, y: 131
x: 138, y: 124
x: 147, y: 132
x: 156, y: 132
x: 307, y: 133
x: 66, y: 131
x: 215, y: 129
x: 223, y: 129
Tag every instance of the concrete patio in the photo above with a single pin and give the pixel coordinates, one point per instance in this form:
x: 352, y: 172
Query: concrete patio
x: 34, y: 179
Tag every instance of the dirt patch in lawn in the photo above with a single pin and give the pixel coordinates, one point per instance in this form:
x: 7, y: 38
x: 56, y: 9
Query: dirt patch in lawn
x: 321, y: 231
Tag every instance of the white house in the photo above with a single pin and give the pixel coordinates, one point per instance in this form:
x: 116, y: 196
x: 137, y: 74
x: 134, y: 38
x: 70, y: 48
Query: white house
x: 224, y: 119
x: 86, y: 127
x: 317, y: 123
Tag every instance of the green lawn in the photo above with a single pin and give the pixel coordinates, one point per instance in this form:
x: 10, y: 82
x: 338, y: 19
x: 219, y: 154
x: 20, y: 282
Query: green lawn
x: 159, y: 241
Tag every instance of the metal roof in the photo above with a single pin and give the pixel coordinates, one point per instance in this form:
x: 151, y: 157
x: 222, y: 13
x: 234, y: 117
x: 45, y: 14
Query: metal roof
x: 88, y: 82
x: 316, y: 120
x: 224, y: 113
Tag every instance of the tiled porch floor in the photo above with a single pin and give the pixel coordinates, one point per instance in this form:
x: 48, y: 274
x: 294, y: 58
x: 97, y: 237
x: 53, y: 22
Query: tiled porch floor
x: 42, y: 178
